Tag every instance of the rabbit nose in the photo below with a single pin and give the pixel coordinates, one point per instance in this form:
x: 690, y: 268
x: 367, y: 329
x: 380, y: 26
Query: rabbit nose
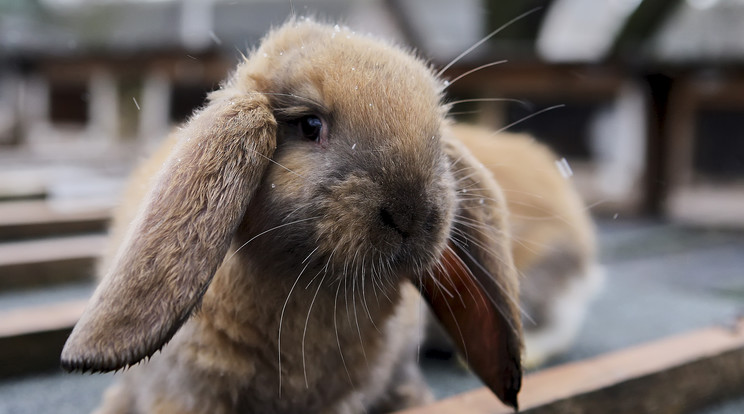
x: 406, y: 219
x: 399, y: 219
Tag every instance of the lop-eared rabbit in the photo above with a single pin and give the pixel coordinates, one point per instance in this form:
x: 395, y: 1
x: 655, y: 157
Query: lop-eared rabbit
x: 274, y: 254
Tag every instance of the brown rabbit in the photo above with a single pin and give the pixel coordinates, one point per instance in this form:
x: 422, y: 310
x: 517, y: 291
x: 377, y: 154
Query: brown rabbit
x: 553, y: 240
x: 271, y: 247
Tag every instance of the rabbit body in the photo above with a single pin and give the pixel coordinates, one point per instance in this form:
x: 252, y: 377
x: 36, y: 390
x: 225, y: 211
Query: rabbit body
x: 224, y: 359
x: 317, y: 183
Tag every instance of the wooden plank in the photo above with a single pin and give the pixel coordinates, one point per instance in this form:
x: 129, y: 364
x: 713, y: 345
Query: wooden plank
x: 36, y: 218
x: 31, y: 339
x: 41, y: 262
x: 672, y: 375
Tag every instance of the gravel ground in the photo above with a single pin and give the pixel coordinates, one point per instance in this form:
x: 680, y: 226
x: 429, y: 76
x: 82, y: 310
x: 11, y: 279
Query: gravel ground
x: 661, y: 280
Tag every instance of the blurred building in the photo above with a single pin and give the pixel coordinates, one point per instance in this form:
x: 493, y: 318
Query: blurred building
x: 651, y: 91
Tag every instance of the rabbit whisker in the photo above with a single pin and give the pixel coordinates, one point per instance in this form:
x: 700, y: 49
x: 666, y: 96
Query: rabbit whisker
x: 485, y: 39
x: 278, y: 164
x: 480, y: 228
x: 524, y: 104
x: 269, y: 230
x: 496, y: 282
x: 356, y: 317
x: 464, y: 112
x: 457, y: 324
x: 338, y: 340
x: 470, y: 273
x: 530, y: 116
x: 419, y: 324
x: 346, y: 300
x: 487, y: 65
x: 281, y: 319
x: 373, y: 278
x: 364, y: 297
x: 462, y: 266
x: 304, y: 331
x: 521, y: 242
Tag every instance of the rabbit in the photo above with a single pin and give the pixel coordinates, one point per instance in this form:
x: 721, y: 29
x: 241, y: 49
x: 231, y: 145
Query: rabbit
x: 277, y: 249
x: 553, y: 238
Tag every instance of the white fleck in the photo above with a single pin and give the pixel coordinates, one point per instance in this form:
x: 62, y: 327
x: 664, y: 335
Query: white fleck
x: 481, y: 201
x: 179, y: 160
x: 356, y: 88
x: 215, y: 38
x: 370, y: 105
x: 281, y: 53
x: 433, y: 136
x: 615, y: 216
x: 135, y: 103
x: 564, y: 168
x: 353, y: 68
x: 336, y: 28
x: 446, y: 83
x: 353, y: 146
x: 273, y: 185
x: 464, y: 190
x: 266, y: 55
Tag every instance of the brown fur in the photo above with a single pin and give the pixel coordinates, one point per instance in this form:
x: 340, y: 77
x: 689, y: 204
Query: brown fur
x: 302, y: 266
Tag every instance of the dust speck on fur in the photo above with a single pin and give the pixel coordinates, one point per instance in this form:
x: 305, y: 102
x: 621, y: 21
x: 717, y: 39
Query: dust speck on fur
x: 564, y: 168
x: 135, y: 103
x: 353, y: 146
x: 273, y: 185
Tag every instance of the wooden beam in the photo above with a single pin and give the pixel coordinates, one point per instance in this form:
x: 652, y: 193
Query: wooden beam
x: 32, y: 338
x: 671, y: 375
x: 48, y: 261
x: 37, y: 218
x: 536, y: 80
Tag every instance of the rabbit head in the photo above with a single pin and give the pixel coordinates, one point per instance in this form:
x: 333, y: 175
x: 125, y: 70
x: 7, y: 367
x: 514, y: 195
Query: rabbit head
x: 324, y: 149
x: 355, y: 152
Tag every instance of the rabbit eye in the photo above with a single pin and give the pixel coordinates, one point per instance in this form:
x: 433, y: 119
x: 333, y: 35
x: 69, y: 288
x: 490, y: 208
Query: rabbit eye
x: 311, y: 127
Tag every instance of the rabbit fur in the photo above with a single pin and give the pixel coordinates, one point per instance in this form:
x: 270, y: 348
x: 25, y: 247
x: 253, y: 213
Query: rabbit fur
x: 270, y: 248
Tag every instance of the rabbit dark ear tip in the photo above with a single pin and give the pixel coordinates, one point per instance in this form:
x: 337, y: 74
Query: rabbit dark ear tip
x: 510, y: 399
x: 83, y: 366
x: 509, y: 395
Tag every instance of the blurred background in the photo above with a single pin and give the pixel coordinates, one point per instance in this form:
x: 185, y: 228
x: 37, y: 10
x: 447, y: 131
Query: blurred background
x: 651, y: 123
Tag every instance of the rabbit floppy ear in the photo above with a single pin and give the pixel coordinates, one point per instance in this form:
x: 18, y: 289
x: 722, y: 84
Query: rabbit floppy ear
x: 474, y: 289
x: 179, y: 238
